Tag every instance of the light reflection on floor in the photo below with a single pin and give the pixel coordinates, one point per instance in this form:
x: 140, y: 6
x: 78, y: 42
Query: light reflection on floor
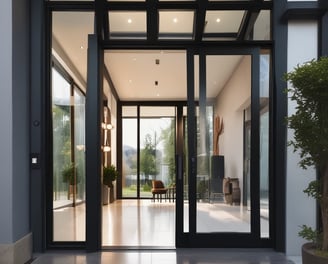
x: 146, y: 223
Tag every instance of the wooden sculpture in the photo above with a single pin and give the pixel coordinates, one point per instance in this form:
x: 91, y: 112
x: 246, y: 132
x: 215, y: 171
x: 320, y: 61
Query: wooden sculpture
x: 218, y: 129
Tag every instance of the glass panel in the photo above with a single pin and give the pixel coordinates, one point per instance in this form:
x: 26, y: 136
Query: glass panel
x: 127, y: 25
x: 157, y: 147
x: 68, y: 161
x: 223, y: 21
x: 185, y: 173
x: 130, y: 148
x: 264, y: 143
x: 69, y: 43
x: 220, y: 144
x: 229, y: 0
x: 126, y: 0
x: 262, y: 26
x: 70, y: 0
x: 176, y: 24
x: 79, y: 143
x: 176, y: 0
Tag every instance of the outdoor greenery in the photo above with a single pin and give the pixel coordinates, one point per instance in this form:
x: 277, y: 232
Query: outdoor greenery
x: 148, y: 162
x: 168, y: 138
x: 69, y: 174
x: 309, y: 89
x: 157, y: 156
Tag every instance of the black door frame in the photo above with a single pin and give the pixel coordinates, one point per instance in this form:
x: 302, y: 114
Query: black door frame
x: 40, y: 144
x: 192, y: 238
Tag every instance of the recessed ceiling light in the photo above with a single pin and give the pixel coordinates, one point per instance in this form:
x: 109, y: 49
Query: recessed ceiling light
x: 218, y: 20
x: 157, y: 95
x: 175, y: 20
x: 129, y: 20
x: 81, y: 47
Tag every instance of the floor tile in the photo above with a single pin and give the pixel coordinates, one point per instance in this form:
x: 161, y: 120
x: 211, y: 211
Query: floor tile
x: 179, y: 256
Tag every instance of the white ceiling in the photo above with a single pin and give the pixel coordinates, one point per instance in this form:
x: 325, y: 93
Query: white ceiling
x: 134, y: 73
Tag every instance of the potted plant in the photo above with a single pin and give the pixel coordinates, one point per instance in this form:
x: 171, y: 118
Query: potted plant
x: 310, y: 124
x: 110, y: 174
x: 69, y: 174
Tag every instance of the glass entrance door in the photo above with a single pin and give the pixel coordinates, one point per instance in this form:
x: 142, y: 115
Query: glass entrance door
x: 214, y: 211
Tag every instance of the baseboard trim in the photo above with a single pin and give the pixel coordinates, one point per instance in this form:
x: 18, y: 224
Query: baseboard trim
x: 17, y: 253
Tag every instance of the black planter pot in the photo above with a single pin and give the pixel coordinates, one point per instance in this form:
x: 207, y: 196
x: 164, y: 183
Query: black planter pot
x: 309, y: 257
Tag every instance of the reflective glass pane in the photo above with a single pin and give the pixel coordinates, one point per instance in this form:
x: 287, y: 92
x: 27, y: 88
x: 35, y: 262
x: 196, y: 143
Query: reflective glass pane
x: 264, y: 143
x: 229, y: 0
x: 223, y: 21
x: 127, y: 25
x: 220, y: 145
x: 68, y: 111
x: 126, y: 0
x: 185, y: 173
x: 176, y: 24
x: 70, y: 42
x: 157, y: 148
x: 176, y: 0
x: 129, y: 151
x: 262, y: 26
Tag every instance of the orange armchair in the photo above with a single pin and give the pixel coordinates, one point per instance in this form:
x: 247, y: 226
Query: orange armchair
x: 158, y: 189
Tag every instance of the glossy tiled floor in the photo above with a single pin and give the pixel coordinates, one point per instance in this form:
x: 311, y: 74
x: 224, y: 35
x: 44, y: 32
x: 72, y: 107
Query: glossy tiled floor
x: 132, y: 224
x: 145, y: 223
x: 180, y: 256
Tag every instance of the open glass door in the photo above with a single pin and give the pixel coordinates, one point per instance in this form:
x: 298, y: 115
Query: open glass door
x: 217, y: 215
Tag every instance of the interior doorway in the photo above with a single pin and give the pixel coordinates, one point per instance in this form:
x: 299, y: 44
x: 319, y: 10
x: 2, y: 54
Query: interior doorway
x: 135, y: 218
x: 151, y: 86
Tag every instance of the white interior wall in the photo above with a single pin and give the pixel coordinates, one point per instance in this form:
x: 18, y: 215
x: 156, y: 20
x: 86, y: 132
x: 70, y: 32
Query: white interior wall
x: 231, y: 102
x: 302, y: 47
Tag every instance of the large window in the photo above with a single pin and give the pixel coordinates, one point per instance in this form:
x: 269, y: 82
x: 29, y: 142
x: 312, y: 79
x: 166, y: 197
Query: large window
x: 68, y: 132
x: 148, y: 149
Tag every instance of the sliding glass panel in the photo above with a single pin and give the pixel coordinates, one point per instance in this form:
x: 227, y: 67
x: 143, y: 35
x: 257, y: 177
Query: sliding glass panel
x: 185, y: 173
x: 157, y: 148
x: 130, y: 151
x: 264, y: 142
x: 79, y: 143
x: 220, y: 145
x: 68, y: 111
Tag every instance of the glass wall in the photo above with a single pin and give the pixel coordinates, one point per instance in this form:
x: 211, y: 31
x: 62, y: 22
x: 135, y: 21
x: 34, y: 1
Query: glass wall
x: 68, y: 126
x: 148, y: 149
x: 68, y: 87
x: 129, y: 151
x: 220, y: 145
x: 264, y: 141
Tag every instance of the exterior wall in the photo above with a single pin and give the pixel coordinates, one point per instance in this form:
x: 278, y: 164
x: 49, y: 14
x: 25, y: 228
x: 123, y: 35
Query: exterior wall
x: 302, y: 47
x: 6, y: 112
x: 15, y: 237
x: 231, y: 102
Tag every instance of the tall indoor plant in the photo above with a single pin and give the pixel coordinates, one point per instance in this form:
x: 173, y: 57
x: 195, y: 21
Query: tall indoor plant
x: 309, y: 89
x: 110, y: 174
x: 70, y: 177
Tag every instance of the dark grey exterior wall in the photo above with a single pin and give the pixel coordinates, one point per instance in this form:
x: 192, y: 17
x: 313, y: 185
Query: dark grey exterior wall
x: 20, y: 119
x: 6, y: 113
x: 14, y: 117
